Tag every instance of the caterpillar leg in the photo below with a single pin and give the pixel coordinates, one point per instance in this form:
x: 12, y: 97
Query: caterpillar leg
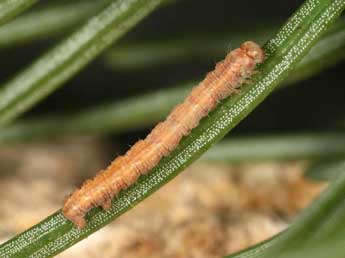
x: 106, y: 205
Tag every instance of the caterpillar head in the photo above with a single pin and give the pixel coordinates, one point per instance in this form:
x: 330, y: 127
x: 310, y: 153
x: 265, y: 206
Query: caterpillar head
x: 254, y: 51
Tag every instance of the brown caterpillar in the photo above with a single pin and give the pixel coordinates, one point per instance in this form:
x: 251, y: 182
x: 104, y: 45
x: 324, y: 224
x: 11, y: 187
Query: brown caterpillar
x: 228, y: 75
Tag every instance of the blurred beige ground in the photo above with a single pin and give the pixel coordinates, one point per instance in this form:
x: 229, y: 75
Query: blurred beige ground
x: 208, y: 211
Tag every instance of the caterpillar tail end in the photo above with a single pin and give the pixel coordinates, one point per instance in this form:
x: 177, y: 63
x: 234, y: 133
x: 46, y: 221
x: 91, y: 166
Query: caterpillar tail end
x: 78, y: 220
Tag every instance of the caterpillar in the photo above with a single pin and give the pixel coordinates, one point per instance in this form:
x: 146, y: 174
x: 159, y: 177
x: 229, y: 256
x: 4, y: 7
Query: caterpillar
x: 228, y: 75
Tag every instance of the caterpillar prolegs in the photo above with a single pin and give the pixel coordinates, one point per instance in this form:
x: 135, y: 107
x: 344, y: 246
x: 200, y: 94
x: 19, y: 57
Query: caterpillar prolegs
x: 228, y: 75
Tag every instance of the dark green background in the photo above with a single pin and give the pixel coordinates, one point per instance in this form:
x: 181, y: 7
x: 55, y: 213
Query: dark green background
x: 291, y: 109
